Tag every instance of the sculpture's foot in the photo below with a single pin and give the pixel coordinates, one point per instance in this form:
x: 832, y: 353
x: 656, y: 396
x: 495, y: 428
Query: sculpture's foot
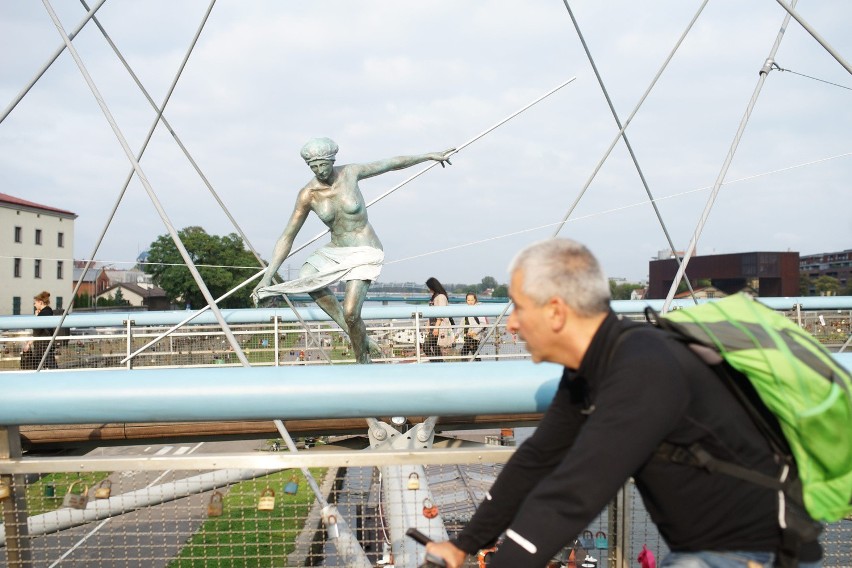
x: 375, y: 349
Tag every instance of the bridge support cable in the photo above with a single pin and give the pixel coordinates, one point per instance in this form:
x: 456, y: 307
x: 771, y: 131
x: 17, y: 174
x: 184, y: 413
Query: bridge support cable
x: 808, y: 28
x: 424, y: 170
x: 121, y: 193
x: 764, y: 72
x: 148, y: 189
x: 49, y: 61
x: 622, y: 128
x: 603, y: 159
x: 161, y: 118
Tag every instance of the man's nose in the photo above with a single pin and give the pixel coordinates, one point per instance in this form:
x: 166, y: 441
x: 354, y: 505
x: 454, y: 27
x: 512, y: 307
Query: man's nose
x: 511, y: 324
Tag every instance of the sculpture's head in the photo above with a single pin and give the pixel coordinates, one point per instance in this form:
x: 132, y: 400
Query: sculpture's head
x: 319, y: 153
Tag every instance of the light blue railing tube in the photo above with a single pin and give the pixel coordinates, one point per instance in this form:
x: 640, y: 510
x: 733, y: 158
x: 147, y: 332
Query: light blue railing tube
x: 401, y: 311
x: 263, y: 393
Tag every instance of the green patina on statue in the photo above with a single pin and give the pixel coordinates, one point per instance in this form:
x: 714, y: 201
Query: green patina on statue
x: 355, y: 253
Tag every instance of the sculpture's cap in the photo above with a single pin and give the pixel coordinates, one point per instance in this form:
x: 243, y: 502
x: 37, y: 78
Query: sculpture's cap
x: 318, y: 149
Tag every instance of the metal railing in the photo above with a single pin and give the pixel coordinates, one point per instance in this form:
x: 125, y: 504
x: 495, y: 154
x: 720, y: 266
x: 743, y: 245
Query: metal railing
x: 175, y: 505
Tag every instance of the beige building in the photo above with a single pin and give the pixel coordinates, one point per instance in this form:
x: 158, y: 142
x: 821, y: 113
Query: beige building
x: 36, y: 253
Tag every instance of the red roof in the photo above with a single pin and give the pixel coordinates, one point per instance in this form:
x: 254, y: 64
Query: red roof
x: 12, y: 200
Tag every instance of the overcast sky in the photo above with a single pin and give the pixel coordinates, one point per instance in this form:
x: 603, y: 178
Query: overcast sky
x: 385, y: 78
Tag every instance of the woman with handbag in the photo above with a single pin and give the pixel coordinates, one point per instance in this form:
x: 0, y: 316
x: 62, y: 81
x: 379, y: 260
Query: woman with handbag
x: 34, y: 350
x: 439, y: 328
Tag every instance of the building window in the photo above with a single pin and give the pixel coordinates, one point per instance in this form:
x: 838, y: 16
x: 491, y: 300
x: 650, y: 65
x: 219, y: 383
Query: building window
x: 59, y: 270
x: 38, y: 236
x: 17, y: 234
x: 17, y: 268
x: 16, y: 305
x: 58, y: 303
x: 60, y: 240
x: 38, y: 268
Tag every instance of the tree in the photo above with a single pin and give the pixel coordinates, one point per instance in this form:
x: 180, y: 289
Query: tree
x: 488, y: 282
x: 223, y: 263
x: 500, y: 291
x: 804, y: 284
x: 622, y: 291
x: 827, y: 285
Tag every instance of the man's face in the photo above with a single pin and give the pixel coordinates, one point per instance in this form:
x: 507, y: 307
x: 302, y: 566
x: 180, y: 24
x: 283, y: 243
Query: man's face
x: 529, y: 320
x: 322, y: 169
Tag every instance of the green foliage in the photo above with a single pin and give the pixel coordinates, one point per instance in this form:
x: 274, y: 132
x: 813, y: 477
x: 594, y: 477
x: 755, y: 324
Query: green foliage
x: 83, y: 300
x: 213, y: 256
x: 804, y: 284
x: 827, y: 285
x: 622, y: 291
x: 500, y: 291
x: 488, y: 282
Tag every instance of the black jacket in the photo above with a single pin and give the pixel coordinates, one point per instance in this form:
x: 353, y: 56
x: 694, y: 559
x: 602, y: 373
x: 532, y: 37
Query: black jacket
x: 603, y: 427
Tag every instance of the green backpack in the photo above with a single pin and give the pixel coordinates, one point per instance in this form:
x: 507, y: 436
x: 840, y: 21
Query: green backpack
x: 796, y: 379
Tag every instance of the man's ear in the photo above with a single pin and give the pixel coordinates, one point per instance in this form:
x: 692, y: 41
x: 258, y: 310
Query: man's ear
x: 557, y: 312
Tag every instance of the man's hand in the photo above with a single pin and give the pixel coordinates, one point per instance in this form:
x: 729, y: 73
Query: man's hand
x: 452, y: 555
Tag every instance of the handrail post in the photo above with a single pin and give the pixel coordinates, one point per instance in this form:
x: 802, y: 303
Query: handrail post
x: 275, y: 320
x: 416, y: 316
x: 18, y: 552
x: 128, y: 326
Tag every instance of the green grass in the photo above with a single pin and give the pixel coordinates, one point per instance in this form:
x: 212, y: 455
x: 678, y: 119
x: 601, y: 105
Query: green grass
x: 246, y: 537
x: 38, y: 502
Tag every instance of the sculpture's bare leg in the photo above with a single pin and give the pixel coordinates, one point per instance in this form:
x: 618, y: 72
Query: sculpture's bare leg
x: 353, y: 300
x: 328, y: 302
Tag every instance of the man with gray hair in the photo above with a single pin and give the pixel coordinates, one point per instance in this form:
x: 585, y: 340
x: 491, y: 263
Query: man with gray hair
x: 621, y: 396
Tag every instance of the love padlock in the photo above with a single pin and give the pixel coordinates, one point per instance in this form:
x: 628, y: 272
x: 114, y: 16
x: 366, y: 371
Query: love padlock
x: 587, y: 540
x: 103, y: 489
x: 601, y: 542
x: 267, y: 500
x: 5, y: 491
x: 430, y: 510
x: 216, y: 505
x: 413, y: 480
x: 76, y: 500
x: 332, y: 528
x: 292, y: 486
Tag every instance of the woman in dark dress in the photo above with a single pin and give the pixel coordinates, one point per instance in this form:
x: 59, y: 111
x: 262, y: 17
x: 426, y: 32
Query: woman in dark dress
x: 439, y: 298
x: 34, y: 350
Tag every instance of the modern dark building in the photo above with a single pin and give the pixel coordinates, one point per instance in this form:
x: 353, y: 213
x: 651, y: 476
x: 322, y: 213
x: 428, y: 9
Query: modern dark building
x: 768, y: 273
x: 835, y: 264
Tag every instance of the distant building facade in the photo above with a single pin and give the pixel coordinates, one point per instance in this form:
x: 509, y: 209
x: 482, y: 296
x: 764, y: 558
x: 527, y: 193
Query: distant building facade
x: 835, y: 264
x: 770, y: 274
x: 38, y: 254
x: 151, y: 297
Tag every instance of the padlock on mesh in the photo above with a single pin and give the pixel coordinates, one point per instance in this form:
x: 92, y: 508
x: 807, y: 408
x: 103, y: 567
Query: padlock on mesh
x: 292, y: 486
x: 216, y: 505
x: 587, y: 540
x: 76, y: 500
x: 413, y: 481
x: 332, y: 528
x: 601, y: 542
x: 103, y: 489
x: 5, y: 491
x: 267, y: 500
x: 430, y: 510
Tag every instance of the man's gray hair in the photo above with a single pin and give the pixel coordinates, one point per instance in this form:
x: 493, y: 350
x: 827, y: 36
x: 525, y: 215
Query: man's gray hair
x: 565, y: 269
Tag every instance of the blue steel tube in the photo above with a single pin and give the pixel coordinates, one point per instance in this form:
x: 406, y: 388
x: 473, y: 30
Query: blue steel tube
x: 261, y: 393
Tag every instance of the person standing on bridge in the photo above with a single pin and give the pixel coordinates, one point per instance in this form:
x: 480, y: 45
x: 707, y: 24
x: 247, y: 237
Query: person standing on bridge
x: 354, y: 254
x: 34, y: 350
x: 623, y: 395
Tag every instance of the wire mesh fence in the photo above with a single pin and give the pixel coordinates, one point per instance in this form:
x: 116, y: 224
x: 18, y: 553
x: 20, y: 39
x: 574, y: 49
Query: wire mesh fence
x: 175, y: 517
